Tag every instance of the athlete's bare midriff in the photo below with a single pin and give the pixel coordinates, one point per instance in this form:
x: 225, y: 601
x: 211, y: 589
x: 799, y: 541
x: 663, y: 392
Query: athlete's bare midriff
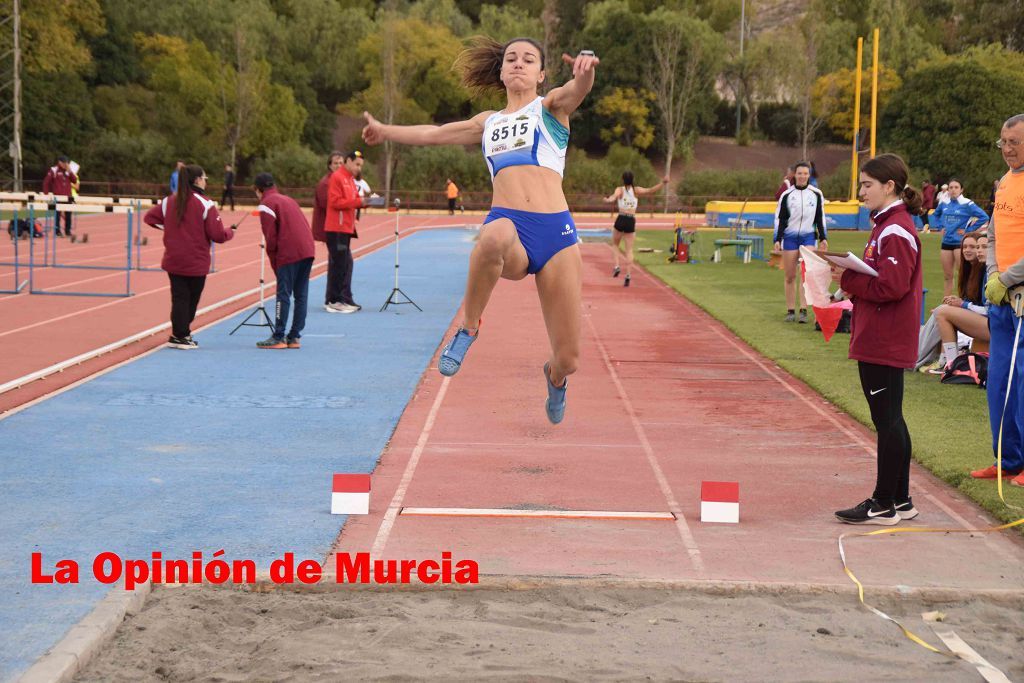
x: 529, y: 188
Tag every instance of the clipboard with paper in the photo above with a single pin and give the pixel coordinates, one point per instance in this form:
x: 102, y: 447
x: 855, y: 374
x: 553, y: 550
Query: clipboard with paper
x: 850, y: 261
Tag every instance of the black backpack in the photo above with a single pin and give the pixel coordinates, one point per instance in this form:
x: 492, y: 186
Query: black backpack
x: 844, y: 323
x: 968, y: 368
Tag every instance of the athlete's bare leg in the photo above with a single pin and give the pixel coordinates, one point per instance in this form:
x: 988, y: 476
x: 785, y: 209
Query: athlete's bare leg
x: 559, y: 285
x: 498, y: 253
x: 789, y: 262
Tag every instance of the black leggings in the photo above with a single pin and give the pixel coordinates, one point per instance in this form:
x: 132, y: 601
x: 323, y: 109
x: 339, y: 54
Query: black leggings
x: 185, y: 293
x: 883, y: 389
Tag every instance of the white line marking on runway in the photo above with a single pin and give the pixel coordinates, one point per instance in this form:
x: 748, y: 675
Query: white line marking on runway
x: 396, y: 502
x: 504, y: 512
x: 673, y: 505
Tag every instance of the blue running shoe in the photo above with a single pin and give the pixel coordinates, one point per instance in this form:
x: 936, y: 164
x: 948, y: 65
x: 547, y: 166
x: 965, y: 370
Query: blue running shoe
x: 556, y: 398
x: 455, y: 352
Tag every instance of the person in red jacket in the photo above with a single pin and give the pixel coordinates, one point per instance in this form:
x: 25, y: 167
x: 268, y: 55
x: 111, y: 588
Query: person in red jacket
x: 340, y: 226
x: 58, y: 180
x: 290, y: 250
x: 190, y: 223
x: 884, y: 331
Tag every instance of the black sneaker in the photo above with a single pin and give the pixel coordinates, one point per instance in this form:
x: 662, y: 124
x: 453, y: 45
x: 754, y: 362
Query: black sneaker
x: 186, y: 344
x: 616, y: 271
x: 626, y: 282
x: 869, y: 512
x: 906, y: 509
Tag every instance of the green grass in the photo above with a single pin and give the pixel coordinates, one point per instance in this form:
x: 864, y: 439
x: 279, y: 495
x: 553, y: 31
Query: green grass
x: 948, y: 423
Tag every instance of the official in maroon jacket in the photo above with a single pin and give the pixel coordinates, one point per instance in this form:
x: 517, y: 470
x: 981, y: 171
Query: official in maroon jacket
x: 290, y: 250
x: 58, y: 180
x: 320, y: 198
x: 340, y: 225
x: 886, y: 311
x: 190, y: 223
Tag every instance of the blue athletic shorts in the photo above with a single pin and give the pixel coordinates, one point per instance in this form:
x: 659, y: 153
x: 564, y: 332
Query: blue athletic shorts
x: 542, y: 234
x: 794, y: 242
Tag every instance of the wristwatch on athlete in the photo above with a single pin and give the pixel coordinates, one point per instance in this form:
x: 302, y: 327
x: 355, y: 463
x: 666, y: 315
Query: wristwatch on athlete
x: 587, y: 53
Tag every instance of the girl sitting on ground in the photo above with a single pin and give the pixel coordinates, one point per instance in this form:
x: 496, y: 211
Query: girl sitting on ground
x: 965, y: 312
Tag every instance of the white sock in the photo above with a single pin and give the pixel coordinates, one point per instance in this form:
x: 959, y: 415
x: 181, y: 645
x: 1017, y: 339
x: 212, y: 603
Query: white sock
x: 948, y: 351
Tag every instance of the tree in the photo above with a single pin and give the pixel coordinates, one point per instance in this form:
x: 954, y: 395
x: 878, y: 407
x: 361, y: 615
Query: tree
x: 687, y: 56
x: 409, y: 66
x: 54, y: 34
x: 506, y: 22
x: 629, y: 113
x: 994, y: 21
x: 833, y: 95
x: 946, y: 116
x: 805, y: 40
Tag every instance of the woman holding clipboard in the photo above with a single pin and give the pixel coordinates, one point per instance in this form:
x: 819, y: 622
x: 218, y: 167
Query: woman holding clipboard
x: 884, y: 332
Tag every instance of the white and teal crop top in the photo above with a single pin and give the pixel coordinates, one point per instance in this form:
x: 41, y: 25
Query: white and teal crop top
x: 531, y: 136
x: 627, y: 201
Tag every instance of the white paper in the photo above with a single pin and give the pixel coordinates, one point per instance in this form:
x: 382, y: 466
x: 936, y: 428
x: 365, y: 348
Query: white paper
x: 852, y: 262
x: 817, y: 278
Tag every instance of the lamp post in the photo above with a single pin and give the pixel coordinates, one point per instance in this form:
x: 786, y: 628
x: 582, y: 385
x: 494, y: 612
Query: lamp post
x: 739, y: 86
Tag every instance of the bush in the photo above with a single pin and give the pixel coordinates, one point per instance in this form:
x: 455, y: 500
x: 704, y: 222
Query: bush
x: 836, y: 186
x: 426, y: 168
x: 621, y: 158
x: 292, y: 165
x: 117, y: 155
x: 780, y: 122
x: 585, y: 175
x: 757, y: 184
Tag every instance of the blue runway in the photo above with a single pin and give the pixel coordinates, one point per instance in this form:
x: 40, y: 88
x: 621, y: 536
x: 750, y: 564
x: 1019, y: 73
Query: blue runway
x: 225, y: 447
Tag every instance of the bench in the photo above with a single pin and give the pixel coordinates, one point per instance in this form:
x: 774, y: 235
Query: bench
x: 746, y: 245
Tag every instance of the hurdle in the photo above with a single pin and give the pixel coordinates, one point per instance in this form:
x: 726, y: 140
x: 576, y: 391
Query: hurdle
x: 52, y: 261
x: 19, y: 284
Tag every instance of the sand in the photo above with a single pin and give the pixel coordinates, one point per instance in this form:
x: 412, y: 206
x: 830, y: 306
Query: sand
x: 560, y: 633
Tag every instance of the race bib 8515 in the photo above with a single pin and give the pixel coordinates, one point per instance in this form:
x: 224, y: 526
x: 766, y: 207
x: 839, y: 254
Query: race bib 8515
x: 510, y: 133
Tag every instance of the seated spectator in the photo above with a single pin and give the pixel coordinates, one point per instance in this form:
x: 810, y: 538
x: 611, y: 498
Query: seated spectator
x: 965, y: 312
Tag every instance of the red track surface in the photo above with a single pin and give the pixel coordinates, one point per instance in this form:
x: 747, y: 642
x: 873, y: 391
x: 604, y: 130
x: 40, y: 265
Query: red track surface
x: 665, y: 397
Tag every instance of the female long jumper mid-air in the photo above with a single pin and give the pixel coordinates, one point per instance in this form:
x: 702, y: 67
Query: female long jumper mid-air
x: 529, y: 229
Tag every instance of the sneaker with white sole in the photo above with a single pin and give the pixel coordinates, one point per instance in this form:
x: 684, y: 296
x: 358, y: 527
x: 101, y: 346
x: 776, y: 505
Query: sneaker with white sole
x: 869, y: 512
x: 186, y: 344
x: 906, y: 509
x: 454, y: 352
x: 342, y: 308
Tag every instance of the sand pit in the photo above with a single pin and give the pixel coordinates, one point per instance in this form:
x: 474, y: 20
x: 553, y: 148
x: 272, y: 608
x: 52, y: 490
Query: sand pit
x: 547, y: 634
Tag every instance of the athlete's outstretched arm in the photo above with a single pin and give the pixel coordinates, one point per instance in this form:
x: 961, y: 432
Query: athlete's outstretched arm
x: 641, y: 191
x: 614, y: 196
x: 565, y: 100
x: 456, y: 133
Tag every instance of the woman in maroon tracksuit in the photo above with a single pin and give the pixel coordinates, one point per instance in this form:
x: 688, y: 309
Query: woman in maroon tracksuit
x: 886, y: 310
x: 190, y: 223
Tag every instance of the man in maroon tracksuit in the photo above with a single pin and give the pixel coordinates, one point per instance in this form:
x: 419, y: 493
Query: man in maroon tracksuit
x: 320, y: 203
x: 58, y: 180
x: 290, y: 250
x: 884, y: 332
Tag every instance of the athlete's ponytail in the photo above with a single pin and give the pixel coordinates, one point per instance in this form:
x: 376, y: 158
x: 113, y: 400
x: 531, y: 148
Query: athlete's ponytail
x: 480, y: 63
x: 886, y: 167
x: 187, y: 177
